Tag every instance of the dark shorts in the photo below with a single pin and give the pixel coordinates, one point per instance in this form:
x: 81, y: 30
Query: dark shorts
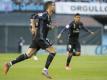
x: 73, y: 47
x: 40, y: 44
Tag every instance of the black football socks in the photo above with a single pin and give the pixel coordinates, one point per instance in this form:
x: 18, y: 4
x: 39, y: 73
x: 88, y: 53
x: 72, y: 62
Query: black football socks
x: 49, y: 60
x: 19, y: 59
x: 68, y: 60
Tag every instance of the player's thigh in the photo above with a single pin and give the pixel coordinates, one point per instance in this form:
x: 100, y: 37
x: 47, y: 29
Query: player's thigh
x: 78, y: 47
x: 33, y: 48
x: 69, y: 53
x: 44, y: 44
x: 70, y: 48
x: 30, y: 51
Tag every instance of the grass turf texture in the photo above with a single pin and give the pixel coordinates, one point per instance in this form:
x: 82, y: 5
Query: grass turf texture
x: 83, y: 68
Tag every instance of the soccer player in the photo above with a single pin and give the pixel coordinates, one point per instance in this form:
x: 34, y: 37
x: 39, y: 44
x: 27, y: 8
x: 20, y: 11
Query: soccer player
x: 34, y: 19
x: 39, y: 39
x: 73, y: 46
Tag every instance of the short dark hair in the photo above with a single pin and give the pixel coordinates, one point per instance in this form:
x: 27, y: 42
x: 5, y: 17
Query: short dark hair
x: 77, y: 14
x: 46, y: 5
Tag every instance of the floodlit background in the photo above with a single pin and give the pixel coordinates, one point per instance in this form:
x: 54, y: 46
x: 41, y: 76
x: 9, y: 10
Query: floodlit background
x: 14, y: 31
x: 14, y: 23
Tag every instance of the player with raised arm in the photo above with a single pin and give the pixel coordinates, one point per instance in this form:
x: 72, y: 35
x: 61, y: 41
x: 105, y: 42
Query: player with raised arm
x: 39, y: 31
x: 73, y: 46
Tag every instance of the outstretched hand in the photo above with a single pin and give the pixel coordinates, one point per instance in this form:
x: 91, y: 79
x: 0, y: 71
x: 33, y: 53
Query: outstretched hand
x: 58, y: 37
x: 93, y: 33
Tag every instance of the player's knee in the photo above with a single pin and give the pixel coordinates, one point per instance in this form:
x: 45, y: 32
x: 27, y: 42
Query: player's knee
x: 54, y: 52
x: 30, y: 52
x: 78, y: 54
x: 51, y: 50
x: 29, y: 55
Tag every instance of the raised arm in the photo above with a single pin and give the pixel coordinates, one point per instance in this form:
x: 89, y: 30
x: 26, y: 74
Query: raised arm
x: 87, y: 30
x: 66, y: 27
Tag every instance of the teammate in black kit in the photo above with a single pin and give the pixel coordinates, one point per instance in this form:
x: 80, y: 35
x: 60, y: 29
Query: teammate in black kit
x: 73, y: 46
x: 41, y: 24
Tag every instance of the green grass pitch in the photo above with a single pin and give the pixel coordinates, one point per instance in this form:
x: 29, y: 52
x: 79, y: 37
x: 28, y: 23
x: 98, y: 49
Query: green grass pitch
x: 83, y: 68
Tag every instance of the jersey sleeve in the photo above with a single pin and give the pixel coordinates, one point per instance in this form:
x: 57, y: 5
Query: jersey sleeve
x: 65, y: 28
x: 34, y: 19
x: 43, y: 16
x: 33, y: 16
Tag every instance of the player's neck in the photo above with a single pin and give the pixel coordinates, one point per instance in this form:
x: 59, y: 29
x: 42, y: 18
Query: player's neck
x: 49, y: 12
x: 77, y: 21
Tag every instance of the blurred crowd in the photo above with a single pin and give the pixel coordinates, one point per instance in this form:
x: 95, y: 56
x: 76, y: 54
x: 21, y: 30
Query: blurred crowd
x: 26, y: 2
x: 29, y: 2
x: 38, y: 1
x: 21, y: 3
x: 9, y: 5
x: 84, y: 0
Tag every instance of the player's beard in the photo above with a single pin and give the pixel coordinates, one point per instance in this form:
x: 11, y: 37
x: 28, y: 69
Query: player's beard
x: 53, y: 11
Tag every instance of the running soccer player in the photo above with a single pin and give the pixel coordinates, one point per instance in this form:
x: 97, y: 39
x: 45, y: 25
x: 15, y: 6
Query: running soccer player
x: 73, y: 46
x: 39, y: 39
x: 34, y: 19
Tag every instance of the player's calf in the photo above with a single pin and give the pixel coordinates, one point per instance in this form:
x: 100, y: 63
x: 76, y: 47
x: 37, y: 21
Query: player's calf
x: 50, y: 57
x: 20, y: 58
x: 69, y: 57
